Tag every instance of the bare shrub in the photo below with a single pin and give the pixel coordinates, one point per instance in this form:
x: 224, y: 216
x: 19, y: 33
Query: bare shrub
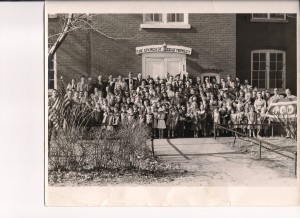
x: 288, y: 123
x: 124, y: 147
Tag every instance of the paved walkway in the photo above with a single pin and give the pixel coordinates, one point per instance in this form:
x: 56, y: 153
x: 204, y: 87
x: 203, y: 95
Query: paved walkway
x: 209, y: 162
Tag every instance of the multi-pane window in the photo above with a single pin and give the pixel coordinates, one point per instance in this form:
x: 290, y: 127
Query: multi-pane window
x: 268, y: 69
x: 277, y: 16
x: 164, y: 18
x: 260, y: 16
x: 175, y: 17
x: 51, y: 73
x: 259, y: 70
x: 272, y: 16
x: 276, y: 70
x: 153, y: 18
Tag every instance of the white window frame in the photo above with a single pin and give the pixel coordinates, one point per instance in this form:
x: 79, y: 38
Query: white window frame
x: 267, y: 52
x: 144, y: 18
x: 55, y: 74
x: 165, y: 24
x: 211, y: 74
x: 268, y: 19
x: 184, y: 18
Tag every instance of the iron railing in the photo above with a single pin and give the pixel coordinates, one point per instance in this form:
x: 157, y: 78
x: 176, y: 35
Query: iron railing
x: 260, y: 143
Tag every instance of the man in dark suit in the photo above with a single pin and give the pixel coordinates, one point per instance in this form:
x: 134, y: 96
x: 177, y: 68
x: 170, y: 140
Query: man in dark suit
x: 90, y: 86
x: 82, y: 85
x: 110, y: 85
x: 101, y: 84
x: 139, y: 80
x: 148, y: 79
x: 131, y: 82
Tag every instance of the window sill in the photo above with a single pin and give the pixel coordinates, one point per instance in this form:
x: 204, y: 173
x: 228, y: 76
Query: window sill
x: 280, y: 90
x: 268, y: 21
x: 165, y: 26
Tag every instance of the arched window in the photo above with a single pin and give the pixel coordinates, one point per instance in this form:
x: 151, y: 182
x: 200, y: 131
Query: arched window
x: 268, y: 69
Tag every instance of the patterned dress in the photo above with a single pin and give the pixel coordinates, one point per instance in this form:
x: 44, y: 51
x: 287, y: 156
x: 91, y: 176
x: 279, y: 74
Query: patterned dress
x: 195, y: 125
x: 252, y: 118
x: 161, y: 121
x: 172, y: 120
x: 202, y: 119
x: 234, y: 118
x: 216, y: 117
x: 155, y: 119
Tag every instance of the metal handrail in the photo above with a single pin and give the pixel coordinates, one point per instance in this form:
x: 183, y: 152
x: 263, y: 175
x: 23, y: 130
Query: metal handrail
x: 260, y: 142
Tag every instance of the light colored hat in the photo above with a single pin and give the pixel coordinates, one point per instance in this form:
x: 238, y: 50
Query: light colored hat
x: 161, y: 109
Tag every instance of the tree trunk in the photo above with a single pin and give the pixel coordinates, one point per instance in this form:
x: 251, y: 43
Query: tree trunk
x: 88, y: 53
x: 61, y: 38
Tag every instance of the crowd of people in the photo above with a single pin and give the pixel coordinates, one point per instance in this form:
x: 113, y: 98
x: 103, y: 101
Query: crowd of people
x: 173, y: 106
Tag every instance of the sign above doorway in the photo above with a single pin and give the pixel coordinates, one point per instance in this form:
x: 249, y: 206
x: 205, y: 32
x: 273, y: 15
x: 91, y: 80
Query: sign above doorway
x: 163, y: 48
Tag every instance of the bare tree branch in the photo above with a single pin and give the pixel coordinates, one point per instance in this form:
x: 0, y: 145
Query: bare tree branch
x: 108, y: 36
x: 62, y: 37
x: 80, y: 21
x: 70, y: 30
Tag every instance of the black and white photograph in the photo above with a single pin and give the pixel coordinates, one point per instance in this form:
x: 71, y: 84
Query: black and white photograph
x: 149, y: 108
x: 171, y: 99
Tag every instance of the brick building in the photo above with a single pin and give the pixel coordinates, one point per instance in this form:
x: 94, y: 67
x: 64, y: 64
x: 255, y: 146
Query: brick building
x: 203, y: 45
x: 267, y: 50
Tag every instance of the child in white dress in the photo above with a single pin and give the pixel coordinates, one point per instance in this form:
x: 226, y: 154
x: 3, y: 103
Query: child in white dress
x: 161, y: 124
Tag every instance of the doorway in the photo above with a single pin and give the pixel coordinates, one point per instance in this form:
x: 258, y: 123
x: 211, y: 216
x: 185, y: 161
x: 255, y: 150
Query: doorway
x: 159, y: 64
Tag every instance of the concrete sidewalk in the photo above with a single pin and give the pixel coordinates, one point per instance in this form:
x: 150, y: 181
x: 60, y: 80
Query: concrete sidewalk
x: 209, y: 162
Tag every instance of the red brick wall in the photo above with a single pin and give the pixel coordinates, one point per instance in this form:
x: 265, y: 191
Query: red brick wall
x: 212, y: 38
